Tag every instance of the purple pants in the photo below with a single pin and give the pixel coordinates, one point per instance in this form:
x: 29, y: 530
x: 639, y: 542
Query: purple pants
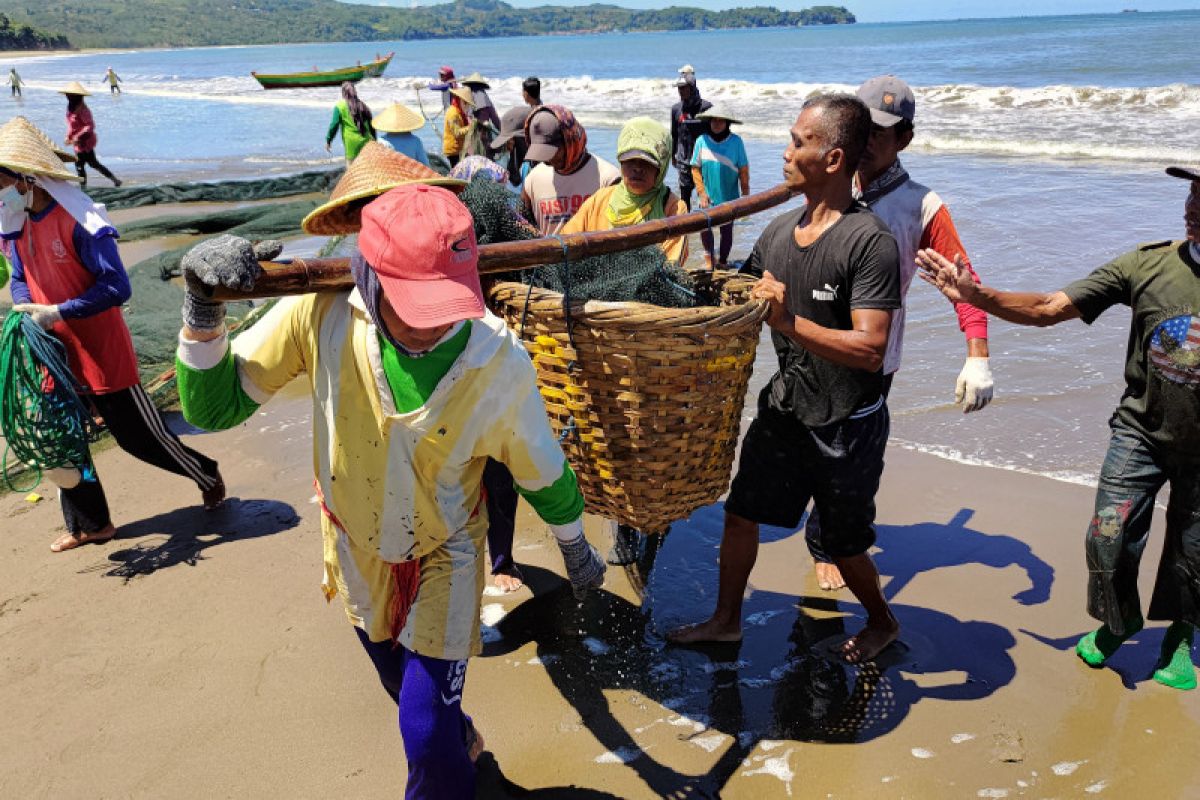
x: 436, y: 732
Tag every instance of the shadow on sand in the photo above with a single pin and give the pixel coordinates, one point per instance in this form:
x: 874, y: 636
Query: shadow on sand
x: 781, y: 681
x: 181, y: 536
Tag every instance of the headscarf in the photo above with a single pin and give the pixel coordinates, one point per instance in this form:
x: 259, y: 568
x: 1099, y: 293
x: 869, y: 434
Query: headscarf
x: 574, y: 137
x: 475, y: 166
x: 625, y: 207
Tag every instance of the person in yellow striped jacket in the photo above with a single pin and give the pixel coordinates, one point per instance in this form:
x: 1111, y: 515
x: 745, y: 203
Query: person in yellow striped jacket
x: 415, y: 386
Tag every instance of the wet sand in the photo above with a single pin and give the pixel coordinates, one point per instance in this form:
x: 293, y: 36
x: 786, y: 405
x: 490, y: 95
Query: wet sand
x: 194, y: 656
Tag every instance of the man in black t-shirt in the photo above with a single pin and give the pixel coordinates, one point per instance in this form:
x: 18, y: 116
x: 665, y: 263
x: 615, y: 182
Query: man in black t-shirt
x: 831, y: 275
x: 1155, y: 431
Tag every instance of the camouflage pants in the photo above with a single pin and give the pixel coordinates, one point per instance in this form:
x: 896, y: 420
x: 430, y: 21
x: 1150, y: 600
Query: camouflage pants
x: 1132, y: 475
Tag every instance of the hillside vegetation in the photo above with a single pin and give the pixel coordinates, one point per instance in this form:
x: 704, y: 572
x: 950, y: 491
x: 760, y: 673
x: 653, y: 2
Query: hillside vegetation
x: 181, y: 23
x: 23, y: 37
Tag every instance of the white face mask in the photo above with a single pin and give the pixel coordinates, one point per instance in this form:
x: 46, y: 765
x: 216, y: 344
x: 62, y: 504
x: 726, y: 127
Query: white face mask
x: 12, y: 198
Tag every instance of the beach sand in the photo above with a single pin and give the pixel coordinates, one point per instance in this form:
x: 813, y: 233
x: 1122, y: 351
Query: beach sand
x: 194, y: 656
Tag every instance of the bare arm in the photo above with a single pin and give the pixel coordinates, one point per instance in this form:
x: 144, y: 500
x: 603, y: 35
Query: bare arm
x: 952, y: 279
x: 861, y: 347
x: 744, y: 179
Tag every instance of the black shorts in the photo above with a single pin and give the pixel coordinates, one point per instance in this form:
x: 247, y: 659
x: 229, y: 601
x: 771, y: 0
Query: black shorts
x: 785, y: 464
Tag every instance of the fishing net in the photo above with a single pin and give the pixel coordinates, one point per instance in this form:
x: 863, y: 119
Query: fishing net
x: 261, y: 221
x: 642, y: 275
x: 313, y: 182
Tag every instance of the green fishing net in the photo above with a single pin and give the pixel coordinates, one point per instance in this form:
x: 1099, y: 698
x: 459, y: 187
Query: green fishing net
x: 643, y: 275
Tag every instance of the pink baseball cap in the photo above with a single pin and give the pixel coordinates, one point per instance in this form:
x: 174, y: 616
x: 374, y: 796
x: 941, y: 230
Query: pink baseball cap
x: 420, y: 240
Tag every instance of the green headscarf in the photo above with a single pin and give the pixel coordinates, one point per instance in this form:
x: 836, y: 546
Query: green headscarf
x: 625, y: 207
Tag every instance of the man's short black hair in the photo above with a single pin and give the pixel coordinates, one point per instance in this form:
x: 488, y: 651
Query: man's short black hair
x: 533, y: 87
x: 845, y: 123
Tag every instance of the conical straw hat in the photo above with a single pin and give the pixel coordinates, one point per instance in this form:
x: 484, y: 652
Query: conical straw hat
x: 718, y: 112
x: 398, y: 118
x: 63, y: 155
x: 464, y: 94
x: 475, y: 77
x: 74, y: 87
x: 376, y: 169
x: 27, y: 151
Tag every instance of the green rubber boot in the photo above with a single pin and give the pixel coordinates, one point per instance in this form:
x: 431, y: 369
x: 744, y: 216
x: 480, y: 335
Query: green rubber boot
x: 1096, y: 647
x: 1175, y: 668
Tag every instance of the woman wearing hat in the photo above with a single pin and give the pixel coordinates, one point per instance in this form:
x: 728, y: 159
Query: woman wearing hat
x: 415, y: 386
x: 395, y: 127
x: 68, y: 277
x: 721, y: 173
x: 644, y: 154
x: 352, y: 118
x: 454, y: 131
x: 81, y: 133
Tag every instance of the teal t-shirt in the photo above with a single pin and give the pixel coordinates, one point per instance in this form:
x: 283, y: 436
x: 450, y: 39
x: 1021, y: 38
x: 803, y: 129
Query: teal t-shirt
x: 1161, y: 283
x: 719, y: 164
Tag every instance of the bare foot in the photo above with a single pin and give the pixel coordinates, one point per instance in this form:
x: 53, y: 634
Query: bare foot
x: 868, y: 643
x: 69, y: 541
x: 829, y: 577
x: 705, y: 632
x: 507, y: 583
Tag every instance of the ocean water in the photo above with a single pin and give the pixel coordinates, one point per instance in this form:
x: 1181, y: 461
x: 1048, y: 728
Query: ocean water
x: 1046, y: 136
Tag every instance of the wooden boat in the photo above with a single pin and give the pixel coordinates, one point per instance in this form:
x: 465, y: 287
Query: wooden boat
x: 331, y: 77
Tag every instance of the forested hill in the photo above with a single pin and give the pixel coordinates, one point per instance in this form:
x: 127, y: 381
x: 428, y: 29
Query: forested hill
x: 181, y: 23
x: 14, y: 36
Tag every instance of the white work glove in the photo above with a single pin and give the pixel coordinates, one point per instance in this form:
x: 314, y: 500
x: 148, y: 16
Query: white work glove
x: 973, y: 390
x: 45, y: 316
x: 585, y: 567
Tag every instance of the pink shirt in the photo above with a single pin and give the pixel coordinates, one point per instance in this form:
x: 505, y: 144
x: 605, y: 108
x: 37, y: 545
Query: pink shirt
x: 81, y: 129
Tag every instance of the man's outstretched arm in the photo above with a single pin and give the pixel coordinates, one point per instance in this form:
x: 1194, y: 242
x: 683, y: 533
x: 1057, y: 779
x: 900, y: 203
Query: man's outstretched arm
x: 955, y: 281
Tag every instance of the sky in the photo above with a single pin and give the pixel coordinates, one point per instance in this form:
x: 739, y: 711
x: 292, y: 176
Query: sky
x: 886, y: 10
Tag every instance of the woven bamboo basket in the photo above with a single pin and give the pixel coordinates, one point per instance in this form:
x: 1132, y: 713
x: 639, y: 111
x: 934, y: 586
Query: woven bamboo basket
x: 647, y: 401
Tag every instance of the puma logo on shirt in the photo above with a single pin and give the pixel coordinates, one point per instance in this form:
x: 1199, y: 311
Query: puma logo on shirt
x: 829, y: 294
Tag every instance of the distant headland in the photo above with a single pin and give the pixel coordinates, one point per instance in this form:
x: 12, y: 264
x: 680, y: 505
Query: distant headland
x: 197, y: 23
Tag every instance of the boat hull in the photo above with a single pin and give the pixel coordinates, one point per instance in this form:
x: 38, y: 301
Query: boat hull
x: 332, y: 77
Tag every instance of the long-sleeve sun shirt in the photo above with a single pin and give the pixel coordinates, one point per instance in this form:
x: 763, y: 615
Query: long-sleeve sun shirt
x: 397, y: 481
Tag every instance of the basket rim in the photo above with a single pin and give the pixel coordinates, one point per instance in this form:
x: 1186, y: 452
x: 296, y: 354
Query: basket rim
x: 610, y: 313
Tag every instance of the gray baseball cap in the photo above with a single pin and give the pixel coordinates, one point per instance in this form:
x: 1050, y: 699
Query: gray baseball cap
x: 545, y: 135
x: 1187, y: 173
x: 890, y: 100
x: 512, y: 124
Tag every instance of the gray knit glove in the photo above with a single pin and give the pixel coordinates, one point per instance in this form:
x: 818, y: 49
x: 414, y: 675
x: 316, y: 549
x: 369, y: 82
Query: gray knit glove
x: 228, y: 261
x: 584, y: 566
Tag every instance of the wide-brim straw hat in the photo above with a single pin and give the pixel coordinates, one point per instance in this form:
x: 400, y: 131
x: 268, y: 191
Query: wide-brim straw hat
x: 376, y: 169
x: 717, y: 112
x: 75, y: 87
x: 464, y: 94
x: 475, y: 77
x: 63, y: 155
x: 25, y: 150
x: 398, y: 118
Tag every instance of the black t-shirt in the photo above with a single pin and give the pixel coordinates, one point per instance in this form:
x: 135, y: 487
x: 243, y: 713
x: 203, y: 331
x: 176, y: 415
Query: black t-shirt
x: 855, y: 264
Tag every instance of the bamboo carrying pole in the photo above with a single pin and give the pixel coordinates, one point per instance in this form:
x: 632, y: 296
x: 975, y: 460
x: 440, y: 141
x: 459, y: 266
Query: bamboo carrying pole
x: 304, y: 275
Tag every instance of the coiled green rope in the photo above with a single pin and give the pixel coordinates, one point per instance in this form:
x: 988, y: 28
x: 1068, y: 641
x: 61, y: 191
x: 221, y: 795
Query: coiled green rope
x: 43, y: 421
